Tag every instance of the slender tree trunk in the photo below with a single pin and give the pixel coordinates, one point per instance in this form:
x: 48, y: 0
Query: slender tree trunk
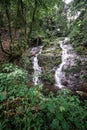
x: 32, y: 21
x: 22, y: 14
x: 9, y: 21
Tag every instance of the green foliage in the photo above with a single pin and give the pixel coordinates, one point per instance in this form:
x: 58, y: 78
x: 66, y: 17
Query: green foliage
x: 47, y: 77
x: 80, y: 50
x: 7, y: 68
x: 35, y: 111
x: 19, y: 46
x: 78, y: 32
x: 23, y: 108
x: 46, y: 42
x: 11, y: 75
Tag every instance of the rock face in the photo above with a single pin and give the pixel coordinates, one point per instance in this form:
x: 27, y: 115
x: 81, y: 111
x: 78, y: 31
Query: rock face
x: 77, y: 74
x: 48, y: 60
x: 64, y: 82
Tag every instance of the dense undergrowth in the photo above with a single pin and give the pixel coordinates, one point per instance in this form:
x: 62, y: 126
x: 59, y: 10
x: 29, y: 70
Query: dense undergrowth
x: 78, y: 33
x: 23, y: 108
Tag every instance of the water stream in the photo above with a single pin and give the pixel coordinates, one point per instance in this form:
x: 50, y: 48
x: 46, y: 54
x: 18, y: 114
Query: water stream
x: 36, y: 67
x: 67, y: 60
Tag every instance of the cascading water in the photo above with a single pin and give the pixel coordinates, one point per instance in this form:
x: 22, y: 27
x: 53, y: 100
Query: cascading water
x: 36, y: 67
x: 67, y: 59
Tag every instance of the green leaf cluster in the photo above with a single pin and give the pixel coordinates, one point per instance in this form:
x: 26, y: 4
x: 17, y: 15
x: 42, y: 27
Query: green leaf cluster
x: 26, y: 109
x: 78, y: 27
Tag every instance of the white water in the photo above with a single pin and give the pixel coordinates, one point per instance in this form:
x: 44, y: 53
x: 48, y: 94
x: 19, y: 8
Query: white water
x: 36, y: 67
x: 67, y: 60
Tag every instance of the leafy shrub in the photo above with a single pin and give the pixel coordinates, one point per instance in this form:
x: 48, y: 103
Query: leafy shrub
x: 19, y: 46
x: 6, y: 68
x: 22, y: 108
x: 80, y: 50
x: 11, y: 75
x: 32, y: 110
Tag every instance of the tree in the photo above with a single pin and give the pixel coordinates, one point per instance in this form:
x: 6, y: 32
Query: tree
x: 26, y: 16
x: 79, y: 25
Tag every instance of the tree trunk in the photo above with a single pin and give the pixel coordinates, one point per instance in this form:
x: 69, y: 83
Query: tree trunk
x: 32, y: 21
x: 9, y: 21
x: 21, y: 11
x: 23, y: 15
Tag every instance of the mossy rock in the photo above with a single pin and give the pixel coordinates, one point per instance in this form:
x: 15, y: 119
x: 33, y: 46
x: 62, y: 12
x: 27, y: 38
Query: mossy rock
x: 50, y: 57
x: 74, y: 69
x: 48, y: 61
x: 48, y: 78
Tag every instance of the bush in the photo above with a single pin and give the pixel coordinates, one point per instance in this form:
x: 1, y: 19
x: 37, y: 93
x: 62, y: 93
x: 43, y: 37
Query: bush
x: 80, y: 50
x: 22, y: 108
x: 12, y: 75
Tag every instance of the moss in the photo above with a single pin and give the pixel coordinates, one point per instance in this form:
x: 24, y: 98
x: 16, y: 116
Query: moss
x: 26, y: 63
x: 46, y: 42
x: 48, y: 78
x: 80, y: 50
x: 74, y: 69
x: 48, y: 59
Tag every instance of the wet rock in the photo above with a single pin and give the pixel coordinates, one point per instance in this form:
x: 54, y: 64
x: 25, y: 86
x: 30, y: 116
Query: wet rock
x: 76, y: 75
x: 84, y: 44
x: 48, y: 61
x: 83, y: 87
x: 33, y: 53
x: 83, y: 95
x: 53, y: 70
x: 64, y: 82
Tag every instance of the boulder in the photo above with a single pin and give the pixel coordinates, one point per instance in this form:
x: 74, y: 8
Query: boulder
x: 65, y: 82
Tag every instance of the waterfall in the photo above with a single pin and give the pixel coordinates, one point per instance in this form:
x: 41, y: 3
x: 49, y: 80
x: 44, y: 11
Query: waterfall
x: 67, y: 60
x: 36, y: 67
